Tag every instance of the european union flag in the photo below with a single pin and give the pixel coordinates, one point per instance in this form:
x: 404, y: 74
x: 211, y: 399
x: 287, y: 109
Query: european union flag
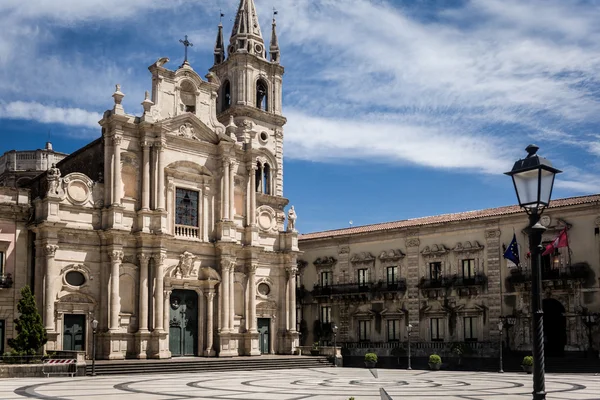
x: 512, y: 252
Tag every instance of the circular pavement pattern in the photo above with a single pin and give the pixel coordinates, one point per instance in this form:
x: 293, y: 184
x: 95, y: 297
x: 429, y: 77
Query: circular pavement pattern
x: 315, y: 384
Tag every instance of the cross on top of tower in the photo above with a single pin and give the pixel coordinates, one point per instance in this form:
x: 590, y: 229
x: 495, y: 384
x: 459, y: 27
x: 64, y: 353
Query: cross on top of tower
x: 186, y: 43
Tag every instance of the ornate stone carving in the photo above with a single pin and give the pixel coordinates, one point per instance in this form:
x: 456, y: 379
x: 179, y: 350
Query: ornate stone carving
x: 435, y: 250
x: 291, y: 270
x: 53, y: 177
x: 291, y: 216
x: 185, y: 268
x: 75, y: 298
x: 78, y: 188
x: 362, y: 258
x: 391, y: 255
x: 468, y: 247
x: 50, y: 250
x: 491, y: 234
x: 187, y: 131
x: 116, y: 255
x: 159, y: 258
x: 412, y: 242
x: 116, y: 140
x: 344, y: 250
x: 324, y: 262
x: 144, y: 258
x: 266, y: 217
x: 301, y: 264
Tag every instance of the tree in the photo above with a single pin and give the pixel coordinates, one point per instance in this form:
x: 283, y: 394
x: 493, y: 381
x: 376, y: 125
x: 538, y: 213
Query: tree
x: 31, y: 334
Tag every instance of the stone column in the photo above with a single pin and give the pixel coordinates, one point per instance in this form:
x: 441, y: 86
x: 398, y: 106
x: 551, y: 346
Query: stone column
x: 116, y: 256
x: 49, y: 252
x: 272, y: 335
x: 159, y: 259
x: 292, y: 293
x: 209, y: 322
x: 146, y: 176
x: 161, y: 177
x: 167, y: 309
x: 252, y: 295
x: 232, y: 169
x: 225, y: 268
x: 252, y: 216
x: 225, y: 200
x: 117, y: 182
x: 205, y: 215
x: 143, y: 306
x: 232, y: 297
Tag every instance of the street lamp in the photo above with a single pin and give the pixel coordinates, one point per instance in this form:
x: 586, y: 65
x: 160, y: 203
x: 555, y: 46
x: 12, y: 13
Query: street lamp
x: 533, y: 178
x: 94, y: 328
x: 408, y: 330
x: 500, y: 326
x: 334, y: 328
x: 508, y: 322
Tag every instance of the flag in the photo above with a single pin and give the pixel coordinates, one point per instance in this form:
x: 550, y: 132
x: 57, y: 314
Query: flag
x: 512, y: 252
x: 560, y: 241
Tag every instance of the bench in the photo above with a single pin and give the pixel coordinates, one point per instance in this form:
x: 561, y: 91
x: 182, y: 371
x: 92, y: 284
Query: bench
x: 59, y: 367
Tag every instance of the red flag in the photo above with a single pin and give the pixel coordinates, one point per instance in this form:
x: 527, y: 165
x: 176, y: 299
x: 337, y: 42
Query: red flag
x: 560, y: 241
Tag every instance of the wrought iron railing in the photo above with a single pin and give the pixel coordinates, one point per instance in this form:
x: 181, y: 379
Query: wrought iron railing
x: 356, y: 288
x: 464, y: 281
x: 573, y: 272
x: 6, y: 281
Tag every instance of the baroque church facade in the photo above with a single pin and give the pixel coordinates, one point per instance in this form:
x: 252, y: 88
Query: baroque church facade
x: 169, y: 229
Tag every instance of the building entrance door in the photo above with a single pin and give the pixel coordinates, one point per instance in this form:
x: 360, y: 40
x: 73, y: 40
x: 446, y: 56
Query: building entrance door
x: 74, y: 332
x: 264, y: 329
x: 183, y: 323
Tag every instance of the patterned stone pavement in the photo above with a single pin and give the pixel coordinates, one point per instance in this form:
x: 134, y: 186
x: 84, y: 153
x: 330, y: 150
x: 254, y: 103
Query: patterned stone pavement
x: 314, y: 384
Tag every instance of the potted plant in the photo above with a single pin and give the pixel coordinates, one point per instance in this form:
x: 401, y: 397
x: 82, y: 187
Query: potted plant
x: 435, y: 362
x: 370, y: 360
x: 315, y: 349
x: 527, y: 364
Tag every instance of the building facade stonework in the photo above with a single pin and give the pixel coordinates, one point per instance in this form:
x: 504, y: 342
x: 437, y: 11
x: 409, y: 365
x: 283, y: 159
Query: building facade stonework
x: 447, y: 278
x: 169, y: 228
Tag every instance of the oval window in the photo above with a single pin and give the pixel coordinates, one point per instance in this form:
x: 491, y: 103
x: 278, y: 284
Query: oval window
x: 75, y: 278
x: 264, y: 289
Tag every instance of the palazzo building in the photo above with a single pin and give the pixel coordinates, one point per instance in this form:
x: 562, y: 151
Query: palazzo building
x: 169, y: 228
x: 446, y: 277
x: 17, y: 168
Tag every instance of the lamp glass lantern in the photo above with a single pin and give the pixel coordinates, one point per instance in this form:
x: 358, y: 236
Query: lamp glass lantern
x: 533, y: 178
x: 409, y: 327
x: 95, y: 324
x: 334, y: 329
x: 500, y: 326
x: 511, y: 320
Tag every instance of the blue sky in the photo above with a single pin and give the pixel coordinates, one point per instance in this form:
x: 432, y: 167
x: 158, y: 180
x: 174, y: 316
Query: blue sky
x: 396, y: 109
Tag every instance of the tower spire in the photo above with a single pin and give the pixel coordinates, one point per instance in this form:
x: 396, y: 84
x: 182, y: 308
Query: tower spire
x: 245, y: 35
x: 219, y: 45
x: 274, y: 47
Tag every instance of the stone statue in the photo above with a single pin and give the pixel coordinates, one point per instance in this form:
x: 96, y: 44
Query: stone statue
x: 53, y: 176
x: 291, y: 226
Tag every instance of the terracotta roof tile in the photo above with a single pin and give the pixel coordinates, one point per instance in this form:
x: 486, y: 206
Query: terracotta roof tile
x: 438, y: 219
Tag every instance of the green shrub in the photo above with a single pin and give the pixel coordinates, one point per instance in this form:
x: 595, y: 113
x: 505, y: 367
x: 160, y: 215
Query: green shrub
x: 31, y: 334
x: 371, y: 357
x: 527, y: 361
x: 315, y: 346
x: 435, y: 359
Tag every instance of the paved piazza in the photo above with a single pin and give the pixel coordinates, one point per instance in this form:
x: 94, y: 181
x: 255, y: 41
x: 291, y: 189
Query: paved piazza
x: 316, y: 384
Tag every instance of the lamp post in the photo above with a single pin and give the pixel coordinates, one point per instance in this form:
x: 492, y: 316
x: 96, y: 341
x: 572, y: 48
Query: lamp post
x: 334, y: 328
x: 533, y: 178
x: 508, y: 322
x: 94, y: 328
x: 500, y: 326
x: 408, y: 330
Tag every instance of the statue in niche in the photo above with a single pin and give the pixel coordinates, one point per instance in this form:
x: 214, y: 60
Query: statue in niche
x: 291, y: 226
x: 53, y: 176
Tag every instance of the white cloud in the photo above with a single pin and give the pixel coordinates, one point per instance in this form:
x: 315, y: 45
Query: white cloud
x: 49, y: 114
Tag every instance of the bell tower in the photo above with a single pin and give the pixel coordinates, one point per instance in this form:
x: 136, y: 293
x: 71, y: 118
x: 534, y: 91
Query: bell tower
x: 250, y: 77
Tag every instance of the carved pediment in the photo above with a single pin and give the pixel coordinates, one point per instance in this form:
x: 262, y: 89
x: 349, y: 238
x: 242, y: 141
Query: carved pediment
x: 189, y: 127
x: 362, y: 258
x: 435, y: 250
x: 324, y: 262
x: 391, y: 255
x: 468, y: 246
x: 76, y: 298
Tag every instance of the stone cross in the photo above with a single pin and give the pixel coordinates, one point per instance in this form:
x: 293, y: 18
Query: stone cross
x: 186, y: 43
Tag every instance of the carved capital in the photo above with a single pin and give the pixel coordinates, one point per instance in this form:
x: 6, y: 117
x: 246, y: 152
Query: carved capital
x: 116, y: 140
x: 227, y: 265
x: 159, y: 258
x: 292, y: 270
x: 252, y: 268
x: 144, y: 258
x: 146, y: 144
x: 50, y: 250
x: 210, y: 296
x: 116, y: 255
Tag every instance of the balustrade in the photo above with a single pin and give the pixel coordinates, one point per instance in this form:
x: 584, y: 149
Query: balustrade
x: 187, y: 232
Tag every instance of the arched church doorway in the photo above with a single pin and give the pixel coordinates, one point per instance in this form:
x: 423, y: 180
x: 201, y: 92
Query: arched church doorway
x: 555, y: 328
x: 183, y: 323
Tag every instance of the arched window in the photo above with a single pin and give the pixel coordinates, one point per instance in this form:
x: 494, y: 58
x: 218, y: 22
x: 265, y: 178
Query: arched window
x: 226, y: 96
x: 188, y: 96
x: 267, y: 179
x: 262, y: 95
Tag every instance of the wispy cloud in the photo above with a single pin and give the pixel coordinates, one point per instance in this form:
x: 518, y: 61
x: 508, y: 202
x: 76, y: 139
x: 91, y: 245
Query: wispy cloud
x: 48, y: 114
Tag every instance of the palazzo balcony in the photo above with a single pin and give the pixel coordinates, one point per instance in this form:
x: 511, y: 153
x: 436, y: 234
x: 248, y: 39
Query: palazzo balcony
x: 558, y: 278
x: 469, y: 285
x: 187, y: 232
x: 367, y: 290
x: 434, y: 287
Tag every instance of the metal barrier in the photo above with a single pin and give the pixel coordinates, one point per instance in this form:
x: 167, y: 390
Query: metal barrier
x: 59, y: 367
